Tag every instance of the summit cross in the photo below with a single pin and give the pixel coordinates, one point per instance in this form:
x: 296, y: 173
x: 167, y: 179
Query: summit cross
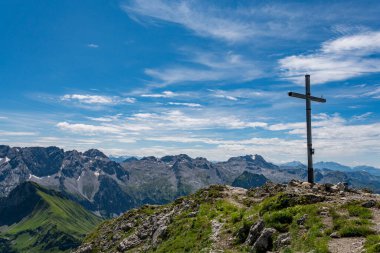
x: 310, y: 151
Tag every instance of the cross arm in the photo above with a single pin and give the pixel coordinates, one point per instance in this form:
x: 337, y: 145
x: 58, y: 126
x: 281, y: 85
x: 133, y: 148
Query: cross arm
x: 303, y: 96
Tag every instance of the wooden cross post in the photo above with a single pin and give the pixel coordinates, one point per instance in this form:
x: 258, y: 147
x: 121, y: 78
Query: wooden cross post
x: 310, y: 150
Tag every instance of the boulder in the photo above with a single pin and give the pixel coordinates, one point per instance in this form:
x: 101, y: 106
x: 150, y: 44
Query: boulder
x: 282, y: 240
x: 254, y: 232
x: 129, y: 242
x: 264, y: 242
x: 159, y: 234
x: 86, y: 248
x: 369, y: 203
x: 335, y: 235
x: 302, y: 220
x: 339, y: 187
x: 307, y: 185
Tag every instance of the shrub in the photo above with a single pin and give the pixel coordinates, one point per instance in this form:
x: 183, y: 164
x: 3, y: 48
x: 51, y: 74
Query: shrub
x: 279, y: 220
x: 353, y: 231
x: 372, y: 244
x: 359, y: 211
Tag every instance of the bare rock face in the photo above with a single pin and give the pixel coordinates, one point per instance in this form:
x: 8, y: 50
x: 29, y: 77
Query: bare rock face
x: 255, y: 232
x: 86, y: 248
x: 129, y: 242
x: 302, y: 220
x: 283, y: 240
x: 369, y: 204
x: 264, y: 242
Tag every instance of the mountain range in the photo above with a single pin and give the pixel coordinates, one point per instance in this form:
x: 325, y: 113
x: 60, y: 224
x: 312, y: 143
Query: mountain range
x: 109, y: 188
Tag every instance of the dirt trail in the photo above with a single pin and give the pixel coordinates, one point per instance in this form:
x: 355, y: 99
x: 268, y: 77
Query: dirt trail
x: 347, y: 245
x: 376, y: 219
x: 354, y: 244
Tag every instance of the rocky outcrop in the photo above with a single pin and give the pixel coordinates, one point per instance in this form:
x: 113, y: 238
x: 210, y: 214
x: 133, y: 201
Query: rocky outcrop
x: 255, y: 232
x: 265, y: 242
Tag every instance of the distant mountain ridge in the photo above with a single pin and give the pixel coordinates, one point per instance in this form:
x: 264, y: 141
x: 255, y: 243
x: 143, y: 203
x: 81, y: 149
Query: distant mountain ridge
x: 109, y: 188
x: 336, y: 167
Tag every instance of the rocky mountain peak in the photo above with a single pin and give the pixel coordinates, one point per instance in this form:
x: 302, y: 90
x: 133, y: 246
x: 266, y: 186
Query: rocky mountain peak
x: 149, y: 159
x: 43, y: 161
x: 4, y: 149
x: 94, y: 153
x: 131, y: 159
x: 252, y: 160
x: 175, y: 158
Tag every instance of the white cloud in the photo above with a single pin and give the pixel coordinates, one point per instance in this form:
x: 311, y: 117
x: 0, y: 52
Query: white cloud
x: 340, y: 59
x: 96, y: 99
x: 185, y: 104
x: 226, y: 97
x: 204, y: 22
x: 209, y: 67
x: 92, y: 45
x: 16, y: 133
x: 178, y: 120
x: 164, y: 94
x: 362, y: 116
x: 129, y: 100
x: 87, y: 129
x: 106, y: 118
x: 359, y: 44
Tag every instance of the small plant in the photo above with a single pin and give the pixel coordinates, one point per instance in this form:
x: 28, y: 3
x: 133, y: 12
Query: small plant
x: 372, y: 244
x: 353, y: 231
x: 279, y: 220
x: 347, y: 227
x: 359, y: 211
x: 236, y: 217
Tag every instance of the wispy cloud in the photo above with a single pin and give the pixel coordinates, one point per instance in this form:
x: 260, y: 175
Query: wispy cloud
x: 87, y: 129
x: 96, y: 99
x: 339, y: 59
x: 363, y: 116
x: 209, y: 67
x: 92, y: 45
x: 225, y: 97
x: 185, y: 104
x: 164, y: 94
x: 210, y: 23
x: 16, y: 133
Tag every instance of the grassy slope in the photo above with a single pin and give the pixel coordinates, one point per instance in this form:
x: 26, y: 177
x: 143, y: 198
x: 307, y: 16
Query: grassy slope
x: 55, y: 225
x: 192, y: 233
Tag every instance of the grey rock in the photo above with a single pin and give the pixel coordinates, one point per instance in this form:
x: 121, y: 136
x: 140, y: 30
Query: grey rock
x: 265, y: 241
x: 86, y: 248
x: 159, y: 234
x: 126, y: 226
x: 335, y: 235
x: 282, y: 240
x: 143, y: 233
x: 254, y: 232
x: 369, y: 203
x: 302, y: 220
x: 192, y: 214
x: 129, y: 243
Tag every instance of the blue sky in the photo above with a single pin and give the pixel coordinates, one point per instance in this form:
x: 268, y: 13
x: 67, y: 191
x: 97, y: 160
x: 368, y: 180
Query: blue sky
x: 206, y: 78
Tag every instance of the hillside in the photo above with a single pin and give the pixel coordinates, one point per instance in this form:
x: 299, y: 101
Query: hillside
x: 296, y: 217
x: 35, y: 219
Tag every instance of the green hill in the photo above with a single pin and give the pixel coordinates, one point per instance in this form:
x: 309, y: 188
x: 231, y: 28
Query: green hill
x: 35, y: 219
